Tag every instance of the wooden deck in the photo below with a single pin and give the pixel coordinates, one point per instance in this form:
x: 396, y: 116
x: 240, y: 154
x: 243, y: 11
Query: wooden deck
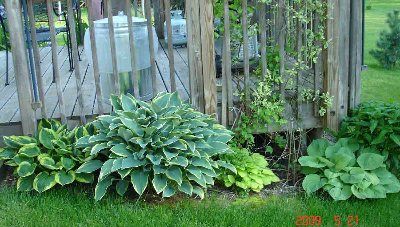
x: 9, y: 108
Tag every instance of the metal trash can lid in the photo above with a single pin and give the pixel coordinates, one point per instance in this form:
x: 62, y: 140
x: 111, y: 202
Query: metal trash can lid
x: 119, y: 21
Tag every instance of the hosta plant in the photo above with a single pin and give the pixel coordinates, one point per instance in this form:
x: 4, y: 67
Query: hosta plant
x: 164, y: 145
x: 252, y: 171
x: 345, y: 169
x: 48, y: 159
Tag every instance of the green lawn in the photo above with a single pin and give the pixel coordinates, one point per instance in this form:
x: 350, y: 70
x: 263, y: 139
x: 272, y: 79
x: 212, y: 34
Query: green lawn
x: 378, y: 83
x: 76, y: 207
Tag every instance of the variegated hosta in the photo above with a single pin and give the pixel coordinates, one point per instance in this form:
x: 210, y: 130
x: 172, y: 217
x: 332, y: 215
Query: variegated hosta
x: 48, y: 159
x: 165, y: 145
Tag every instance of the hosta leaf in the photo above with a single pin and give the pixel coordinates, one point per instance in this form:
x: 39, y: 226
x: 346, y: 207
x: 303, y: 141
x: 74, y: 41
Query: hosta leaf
x: 122, y: 187
x: 117, y: 164
x: 208, y: 172
x: 128, y: 104
x: 131, y: 162
x: 155, y: 159
x: 312, y: 183
x: 199, y: 180
x: 82, y: 142
x: 26, y: 169
x: 48, y: 163
x: 198, y: 191
x: 170, y: 141
x: 45, y: 138
x: 124, y: 172
x: 186, y: 187
x: 168, y: 154
x: 64, y: 178
x: 201, y: 162
x: 168, y: 191
x: 115, y: 102
x: 227, y: 165
x: 121, y: 150
x: 179, y: 145
x: 370, y: 161
x: 85, y: 178
x: 139, y: 179
x: 44, y: 181
x: 342, y: 160
x: 90, y: 166
x: 317, y: 147
x: 97, y: 148
x: 159, y: 169
x: 98, y: 138
x: 174, y: 173
x: 180, y: 161
x: 126, y: 134
x: 132, y: 125
x: 106, y: 168
x: 161, y: 101
x: 102, y: 186
x: 194, y: 170
x: 67, y: 163
x: 159, y: 182
x: 25, y: 184
x: 6, y: 153
x: 17, y: 142
x: 219, y: 146
x: 30, y: 150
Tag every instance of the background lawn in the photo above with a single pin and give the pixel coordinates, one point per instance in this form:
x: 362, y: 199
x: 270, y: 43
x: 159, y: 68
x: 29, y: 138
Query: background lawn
x: 76, y: 207
x: 378, y: 83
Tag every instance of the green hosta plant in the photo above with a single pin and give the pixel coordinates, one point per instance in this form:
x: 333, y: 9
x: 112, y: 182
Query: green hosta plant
x: 165, y: 145
x: 252, y: 171
x: 344, y: 169
x: 48, y: 159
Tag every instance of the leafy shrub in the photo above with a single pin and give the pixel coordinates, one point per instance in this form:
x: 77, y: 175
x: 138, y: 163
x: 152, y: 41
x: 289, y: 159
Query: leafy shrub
x: 165, y: 142
x: 343, y: 170
x: 49, y: 158
x: 252, y: 171
x: 388, y: 52
x: 376, y: 125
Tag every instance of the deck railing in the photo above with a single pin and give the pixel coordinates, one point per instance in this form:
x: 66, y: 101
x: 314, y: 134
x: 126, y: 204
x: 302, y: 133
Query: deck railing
x: 339, y: 66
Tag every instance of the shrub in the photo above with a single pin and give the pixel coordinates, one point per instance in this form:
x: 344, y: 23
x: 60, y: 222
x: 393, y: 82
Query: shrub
x: 49, y: 158
x: 165, y: 142
x: 388, y: 52
x: 344, y: 169
x: 252, y: 171
x: 376, y: 125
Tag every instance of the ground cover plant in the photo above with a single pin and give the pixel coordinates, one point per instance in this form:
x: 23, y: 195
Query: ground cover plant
x: 376, y: 125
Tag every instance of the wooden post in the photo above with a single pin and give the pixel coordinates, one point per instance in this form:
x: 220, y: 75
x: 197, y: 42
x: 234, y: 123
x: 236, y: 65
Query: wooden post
x: 54, y: 55
x: 263, y: 34
x: 227, y: 66
x: 36, y: 54
x: 21, y: 67
x: 111, y: 34
x: 203, y: 89
x: 281, y: 41
x: 208, y: 56
x: 161, y: 12
x: 194, y: 55
x: 355, y: 53
x: 96, y: 72
x: 170, y: 47
x: 246, y: 60
x: 78, y: 79
x: 132, y: 49
x: 151, y: 46
x: 337, y: 72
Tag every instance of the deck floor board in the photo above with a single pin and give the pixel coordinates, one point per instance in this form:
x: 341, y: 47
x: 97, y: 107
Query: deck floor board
x: 9, y: 109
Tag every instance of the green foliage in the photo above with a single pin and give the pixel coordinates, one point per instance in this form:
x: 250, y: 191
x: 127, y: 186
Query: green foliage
x: 345, y: 169
x: 376, y: 125
x: 165, y: 145
x: 48, y: 159
x: 252, y: 171
x: 388, y: 52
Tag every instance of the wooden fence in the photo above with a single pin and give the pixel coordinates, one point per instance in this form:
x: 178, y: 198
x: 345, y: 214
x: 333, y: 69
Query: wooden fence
x: 339, y: 66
